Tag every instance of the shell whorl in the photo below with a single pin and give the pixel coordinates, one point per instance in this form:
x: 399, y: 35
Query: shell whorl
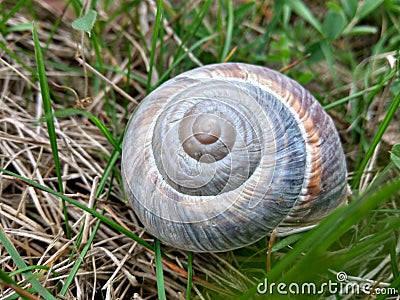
x: 218, y: 157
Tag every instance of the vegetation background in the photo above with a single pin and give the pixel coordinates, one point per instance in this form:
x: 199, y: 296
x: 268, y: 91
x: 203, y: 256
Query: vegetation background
x: 72, y: 72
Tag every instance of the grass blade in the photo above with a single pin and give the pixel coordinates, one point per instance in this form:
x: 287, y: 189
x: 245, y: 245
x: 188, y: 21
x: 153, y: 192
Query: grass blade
x: 330, y: 229
x: 11, y: 13
x: 395, y: 155
x: 394, y: 260
x: 77, y: 265
x: 159, y: 270
x: 266, y: 38
x: 4, y: 277
x: 16, y: 58
x: 315, y: 242
x: 21, y: 265
x: 176, y: 62
x: 157, y: 26
x: 368, y: 7
x: 8, y: 282
x: 229, y: 32
x: 378, y: 136
x: 71, y: 112
x: 110, y: 164
x: 190, y: 275
x: 29, y: 268
x: 348, y: 98
x: 302, y: 10
x: 44, y: 88
x: 326, y: 49
x: 93, y: 212
x: 191, y: 32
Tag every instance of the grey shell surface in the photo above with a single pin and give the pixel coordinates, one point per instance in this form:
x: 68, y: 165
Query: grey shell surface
x: 219, y: 156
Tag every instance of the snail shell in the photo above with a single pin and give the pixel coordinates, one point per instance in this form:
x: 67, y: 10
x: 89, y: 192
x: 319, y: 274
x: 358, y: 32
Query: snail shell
x: 218, y: 157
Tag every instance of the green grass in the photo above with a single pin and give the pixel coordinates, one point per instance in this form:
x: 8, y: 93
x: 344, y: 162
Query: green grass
x: 44, y: 90
x: 21, y: 265
x: 137, y: 46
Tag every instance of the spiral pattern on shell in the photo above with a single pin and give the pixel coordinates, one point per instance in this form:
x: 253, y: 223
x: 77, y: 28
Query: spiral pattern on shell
x: 219, y: 156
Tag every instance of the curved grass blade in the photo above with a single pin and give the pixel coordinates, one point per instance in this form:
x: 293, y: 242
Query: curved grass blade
x: 30, y: 268
x: 71, y: 112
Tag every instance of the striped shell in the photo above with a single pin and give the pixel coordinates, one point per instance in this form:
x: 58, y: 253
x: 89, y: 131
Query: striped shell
x: 218, y: 157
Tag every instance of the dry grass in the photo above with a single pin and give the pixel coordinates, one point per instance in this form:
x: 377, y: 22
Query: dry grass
x: 32, y: 219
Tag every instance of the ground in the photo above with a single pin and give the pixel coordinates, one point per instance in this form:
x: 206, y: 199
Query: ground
x: 65, y: 169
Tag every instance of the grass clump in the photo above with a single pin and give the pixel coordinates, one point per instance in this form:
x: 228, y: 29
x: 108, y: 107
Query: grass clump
x: 72, y: 73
